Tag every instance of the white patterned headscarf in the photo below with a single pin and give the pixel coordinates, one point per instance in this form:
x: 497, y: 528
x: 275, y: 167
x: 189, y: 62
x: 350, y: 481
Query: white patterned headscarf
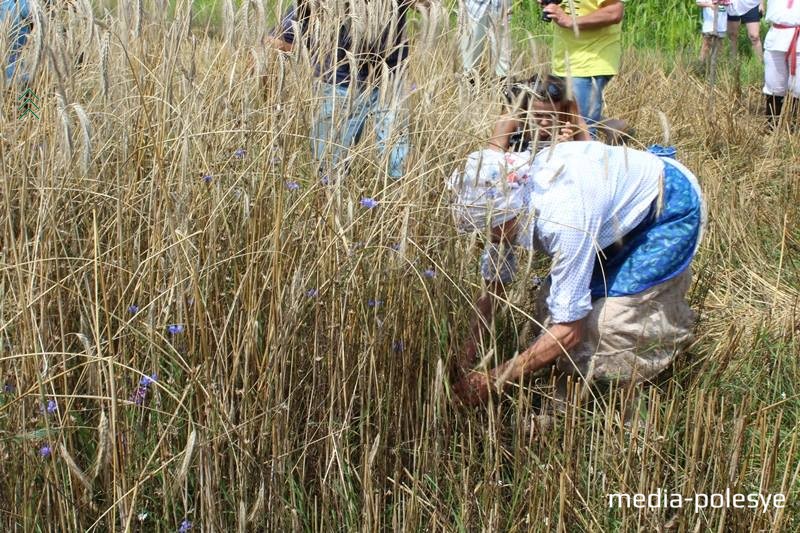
x: 490, y: 190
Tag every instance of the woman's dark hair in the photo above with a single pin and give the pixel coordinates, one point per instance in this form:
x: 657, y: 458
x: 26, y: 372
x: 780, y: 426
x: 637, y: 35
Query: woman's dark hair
x: 521, y: 93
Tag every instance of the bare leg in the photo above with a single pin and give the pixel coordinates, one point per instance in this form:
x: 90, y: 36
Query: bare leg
x: 733, y: 35
x: 754, y: 34
x: 705, y: 47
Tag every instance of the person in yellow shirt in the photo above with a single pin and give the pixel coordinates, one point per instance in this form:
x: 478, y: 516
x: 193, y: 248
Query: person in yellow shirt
x: 587, y: 49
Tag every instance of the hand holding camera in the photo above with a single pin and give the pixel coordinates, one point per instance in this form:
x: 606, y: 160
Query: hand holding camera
x: 546, y: 17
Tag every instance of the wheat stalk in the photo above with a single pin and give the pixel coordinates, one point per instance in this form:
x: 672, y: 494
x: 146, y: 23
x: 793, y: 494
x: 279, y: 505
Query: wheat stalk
x: 38, y: 36
x: 258, y: 505
x: 104, y: 50
x: 139, y: 13
x: 228, y: 15
x: 88, y: 14
x: 86, y: 135
x: 261, y: 20
x: 66, y: 129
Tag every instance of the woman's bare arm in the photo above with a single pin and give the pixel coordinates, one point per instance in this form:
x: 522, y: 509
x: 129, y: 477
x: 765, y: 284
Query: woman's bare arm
x: 503, y: 129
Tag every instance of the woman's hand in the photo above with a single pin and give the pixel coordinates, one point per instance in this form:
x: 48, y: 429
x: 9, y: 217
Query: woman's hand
x: 567, y: 132
x: 574, y: 132
x: 473, y: 389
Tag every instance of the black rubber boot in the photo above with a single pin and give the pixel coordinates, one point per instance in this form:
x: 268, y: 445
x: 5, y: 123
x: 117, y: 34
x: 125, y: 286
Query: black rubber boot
x: 774, y: 107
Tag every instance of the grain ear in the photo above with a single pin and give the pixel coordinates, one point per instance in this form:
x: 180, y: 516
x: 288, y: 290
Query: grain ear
x: 66, y: 128
x: 74, y: 468
x: 86, y: 136
x: 105, y: 44
x: 103, y: 439
x: 187, y: 458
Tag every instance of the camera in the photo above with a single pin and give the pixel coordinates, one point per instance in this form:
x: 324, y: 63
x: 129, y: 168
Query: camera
x: 545, y: 16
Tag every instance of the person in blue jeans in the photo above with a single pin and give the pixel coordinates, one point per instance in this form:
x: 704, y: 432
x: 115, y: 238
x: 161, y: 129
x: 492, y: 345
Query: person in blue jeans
x: 18, y: 12
x: 588, y: 92
x: 348, y: 71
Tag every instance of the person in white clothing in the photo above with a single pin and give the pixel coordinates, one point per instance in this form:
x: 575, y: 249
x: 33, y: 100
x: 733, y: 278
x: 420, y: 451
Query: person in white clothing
x: 781, y: 58
x: 715, y: 25
x: 622, y: 227
x: 482, y: 20
x: 749, y: 12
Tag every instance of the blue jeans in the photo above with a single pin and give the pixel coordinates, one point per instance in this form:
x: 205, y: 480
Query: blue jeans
x: 589, y: 97
x: 19, y: 14
x: 339, y: 124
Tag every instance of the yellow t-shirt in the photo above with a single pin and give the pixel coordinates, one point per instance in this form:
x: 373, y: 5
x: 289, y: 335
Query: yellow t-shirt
x: 594, y: 53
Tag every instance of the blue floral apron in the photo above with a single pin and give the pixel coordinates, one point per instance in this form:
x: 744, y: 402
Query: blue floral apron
x: 658, y: 249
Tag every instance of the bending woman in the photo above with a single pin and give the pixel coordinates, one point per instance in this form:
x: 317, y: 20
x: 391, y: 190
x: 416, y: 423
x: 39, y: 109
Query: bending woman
x: 622, y: 227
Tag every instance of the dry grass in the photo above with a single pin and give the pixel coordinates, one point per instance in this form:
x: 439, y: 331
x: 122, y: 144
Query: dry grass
x: 277, y: 410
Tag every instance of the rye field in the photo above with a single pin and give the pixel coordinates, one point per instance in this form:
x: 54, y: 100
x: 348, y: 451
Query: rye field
x: 197, y: 333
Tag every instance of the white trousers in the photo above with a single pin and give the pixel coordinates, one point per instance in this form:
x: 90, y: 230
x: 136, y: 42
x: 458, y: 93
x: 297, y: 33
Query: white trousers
x: 776, y: 75
x: 777, y: 80
x: 493, y: 25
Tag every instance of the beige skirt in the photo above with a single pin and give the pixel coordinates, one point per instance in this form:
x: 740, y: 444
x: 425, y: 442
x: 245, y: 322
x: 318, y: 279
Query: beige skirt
x: 629, y: 339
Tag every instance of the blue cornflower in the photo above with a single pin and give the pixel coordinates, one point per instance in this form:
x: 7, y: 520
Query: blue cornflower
x: 133, y: 309
x: 52, y: 406
x: 374, y: 303
x: 185, y: 526
x: 312, y: 293
x: 369, y: 203
x: 239, y: 153
x: 292, y: 185
x: 207, y: 178
x: 139, y: 396
x: 141, y: 391
x: 174, y: 329
x: 398, y: 346
x: 45, y: 451
x: 429, y: 273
